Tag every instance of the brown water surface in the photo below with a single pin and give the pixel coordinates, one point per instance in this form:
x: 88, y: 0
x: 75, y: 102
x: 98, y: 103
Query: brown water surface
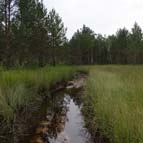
x: 62, y: 122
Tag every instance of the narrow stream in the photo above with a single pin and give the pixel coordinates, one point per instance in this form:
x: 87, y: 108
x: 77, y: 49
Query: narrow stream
x: 63, y: 121
x: 57, y: 119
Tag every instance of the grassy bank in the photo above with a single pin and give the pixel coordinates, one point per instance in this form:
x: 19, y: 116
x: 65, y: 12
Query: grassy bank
x: 114, y: 103
x: 18, y: 88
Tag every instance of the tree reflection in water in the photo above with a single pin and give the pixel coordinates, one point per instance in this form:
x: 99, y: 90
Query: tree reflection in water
x: 55, y: 120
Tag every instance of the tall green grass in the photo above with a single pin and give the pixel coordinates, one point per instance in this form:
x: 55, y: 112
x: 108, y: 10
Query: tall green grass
x: 114, y: 103
x: 18, y: 88
x: 35, y: 77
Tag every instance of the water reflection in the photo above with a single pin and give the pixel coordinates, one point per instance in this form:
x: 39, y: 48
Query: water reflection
x: 56, y: 120
x: 63, y: 122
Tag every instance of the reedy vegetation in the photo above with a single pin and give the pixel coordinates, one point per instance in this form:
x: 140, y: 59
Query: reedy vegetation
x: 18, y: 88
x: 114, y: 98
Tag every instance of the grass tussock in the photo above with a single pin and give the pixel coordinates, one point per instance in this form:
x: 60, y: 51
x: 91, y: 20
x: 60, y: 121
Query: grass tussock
x: 18, y: 88
x: 114, y: 94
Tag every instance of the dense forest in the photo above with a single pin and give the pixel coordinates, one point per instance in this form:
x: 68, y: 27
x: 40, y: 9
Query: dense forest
x: 30, y: 35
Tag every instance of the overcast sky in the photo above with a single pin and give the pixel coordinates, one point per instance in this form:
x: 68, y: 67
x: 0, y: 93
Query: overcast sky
x: 102, y: 16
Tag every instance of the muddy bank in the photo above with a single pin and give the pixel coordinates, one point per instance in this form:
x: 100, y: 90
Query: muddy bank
x: 76, y: 83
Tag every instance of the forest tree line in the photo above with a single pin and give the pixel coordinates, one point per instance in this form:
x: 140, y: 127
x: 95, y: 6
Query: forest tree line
x: 122, y: 48
x: 29, y: 35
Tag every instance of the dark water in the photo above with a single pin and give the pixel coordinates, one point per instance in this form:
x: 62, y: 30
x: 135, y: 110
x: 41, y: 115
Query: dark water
x: 62, y: 122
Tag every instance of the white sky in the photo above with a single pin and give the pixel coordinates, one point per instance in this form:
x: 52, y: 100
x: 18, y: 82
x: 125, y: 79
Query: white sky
x: 102, y: 16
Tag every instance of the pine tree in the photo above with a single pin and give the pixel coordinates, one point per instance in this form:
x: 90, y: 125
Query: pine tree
x: 135, y: 43
x: 56, y: 32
